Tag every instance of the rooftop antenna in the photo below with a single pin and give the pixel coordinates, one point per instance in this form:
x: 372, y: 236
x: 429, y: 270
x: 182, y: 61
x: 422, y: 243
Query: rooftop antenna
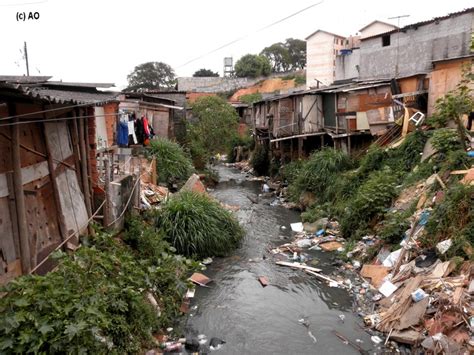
x: 398, y: 38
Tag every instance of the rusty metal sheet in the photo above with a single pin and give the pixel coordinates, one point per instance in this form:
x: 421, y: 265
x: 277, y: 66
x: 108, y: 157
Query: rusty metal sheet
x: 369, y: 102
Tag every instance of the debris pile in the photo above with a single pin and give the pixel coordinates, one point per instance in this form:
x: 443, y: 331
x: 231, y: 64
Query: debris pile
x: 151, y: 194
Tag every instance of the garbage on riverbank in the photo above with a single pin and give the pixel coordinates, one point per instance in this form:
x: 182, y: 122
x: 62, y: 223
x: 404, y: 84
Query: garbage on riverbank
x: 406, y: 226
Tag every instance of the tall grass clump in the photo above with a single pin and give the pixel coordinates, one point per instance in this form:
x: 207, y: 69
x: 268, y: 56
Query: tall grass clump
x: 369, y: 203
x: 198, y: 226
x: 320, y: 171
x: 172, y: 163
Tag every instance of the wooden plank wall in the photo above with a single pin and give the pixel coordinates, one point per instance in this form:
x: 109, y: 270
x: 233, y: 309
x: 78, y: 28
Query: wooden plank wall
x: 42, y: 212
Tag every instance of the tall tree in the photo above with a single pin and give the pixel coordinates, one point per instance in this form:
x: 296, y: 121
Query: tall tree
x: 279, y: 57
x: 252, y: 66
x: 205, y: 73
x: 297, y: 53
x: 151, y: 76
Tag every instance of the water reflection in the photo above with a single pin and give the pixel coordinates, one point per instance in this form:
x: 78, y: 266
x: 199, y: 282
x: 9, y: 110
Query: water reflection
x: 257, y: 320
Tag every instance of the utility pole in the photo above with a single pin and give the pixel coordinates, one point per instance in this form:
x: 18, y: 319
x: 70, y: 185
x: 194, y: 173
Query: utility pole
x: 26, y: 60
x: 398, y: 38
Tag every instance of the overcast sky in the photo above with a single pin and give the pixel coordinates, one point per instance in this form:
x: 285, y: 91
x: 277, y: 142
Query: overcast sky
x: 103, y: 40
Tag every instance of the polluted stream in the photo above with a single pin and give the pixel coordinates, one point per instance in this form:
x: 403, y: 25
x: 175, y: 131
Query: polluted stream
x: 294, y: 314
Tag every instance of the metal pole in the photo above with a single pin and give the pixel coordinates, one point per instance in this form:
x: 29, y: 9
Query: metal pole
x: 26, y: 60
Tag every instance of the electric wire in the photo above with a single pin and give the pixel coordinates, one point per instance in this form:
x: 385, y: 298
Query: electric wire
x: 249, y: 34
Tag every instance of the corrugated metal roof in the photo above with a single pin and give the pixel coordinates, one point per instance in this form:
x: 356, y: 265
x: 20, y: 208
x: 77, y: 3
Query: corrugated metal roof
x: 59, y: 96
x: 80, y: 85
x: 422, y: 23
x: 18, y: 79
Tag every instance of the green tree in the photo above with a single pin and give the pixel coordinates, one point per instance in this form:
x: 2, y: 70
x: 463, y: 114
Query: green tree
x: 297, y: 53
x: 205, y: 73
x: 279, y: 57
x: 151, y: 76
x: 252, y: 66
x: 216, y: 124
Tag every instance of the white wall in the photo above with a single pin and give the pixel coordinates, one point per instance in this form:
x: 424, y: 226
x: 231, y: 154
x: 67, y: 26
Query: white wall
x: 321, y: 51
x: 375, y: 29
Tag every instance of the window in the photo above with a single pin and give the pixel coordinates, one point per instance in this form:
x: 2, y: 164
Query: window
x: 385, y: 41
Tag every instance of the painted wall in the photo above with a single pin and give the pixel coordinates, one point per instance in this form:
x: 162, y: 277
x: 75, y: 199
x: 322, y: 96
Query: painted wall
x: 347, y: 65
x: 444, y: 78
x: 321, y: 50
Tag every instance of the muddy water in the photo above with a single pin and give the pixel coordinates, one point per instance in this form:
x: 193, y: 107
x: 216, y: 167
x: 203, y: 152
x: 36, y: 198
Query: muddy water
x: 256, y: 320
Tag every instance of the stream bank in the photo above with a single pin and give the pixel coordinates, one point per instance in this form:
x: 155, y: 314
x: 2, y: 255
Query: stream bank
x: 295, y: 313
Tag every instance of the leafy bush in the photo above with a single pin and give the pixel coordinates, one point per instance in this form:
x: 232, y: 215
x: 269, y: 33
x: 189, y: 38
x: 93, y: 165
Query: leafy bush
x: 172, y: 163
x: 246, y: 142
x: 395, y: 225
x: 251, y: 98
x: 252, y: 66
x: 373, y: 160
x: 289, y: 172
x: 369, y: 203
x: 408, y: 154
x: 260, y: 161
x: 197, y: 225
x: 216, y: 124
x: 453, y: 214
x: 95, y: 301
x: 321, y: 170
x: 445, y: 140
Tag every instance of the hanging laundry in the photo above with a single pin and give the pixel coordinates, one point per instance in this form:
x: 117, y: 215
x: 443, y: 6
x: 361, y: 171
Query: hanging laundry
x: 146, y: 127
x: 122, y: 134
x: 139, y: 131
x: 131, y: 132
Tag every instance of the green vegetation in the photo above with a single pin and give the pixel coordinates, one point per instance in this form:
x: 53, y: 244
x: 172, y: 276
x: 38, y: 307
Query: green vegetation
x: 216, y: 125
x: 251, y: 98
x: 320, y: 171
x: 151, y: 76
x: 198, y: 226
x: 252, y: 66
x: 369, y: 203
x: 453, y: 218
x: 260, y: 160
x: 358, y: 198
x: 172, y: 163
x: 246, y: 142
x: 205, y: 73
x: 446, y: 140
x: 290, y: 55
x: 96, y: 300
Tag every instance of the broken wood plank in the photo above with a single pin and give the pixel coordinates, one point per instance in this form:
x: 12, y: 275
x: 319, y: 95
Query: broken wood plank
x: 298, y: 266
x: 263, y: 281
x: 376, y: 273
x: 330, y: 246
x: 325, y: 278
x: 200, y: 279
x: 413, y: 315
